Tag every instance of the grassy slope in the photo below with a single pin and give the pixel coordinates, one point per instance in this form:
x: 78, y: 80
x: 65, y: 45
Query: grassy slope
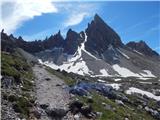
x: 14, y: 65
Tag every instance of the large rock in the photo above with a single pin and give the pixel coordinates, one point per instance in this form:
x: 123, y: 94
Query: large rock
x: 7, y: 81
x: 56, y: 113
x: 83, y: 88
x: 75, y: 107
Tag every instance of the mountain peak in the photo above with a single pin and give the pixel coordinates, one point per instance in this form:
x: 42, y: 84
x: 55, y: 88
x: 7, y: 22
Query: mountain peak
x: 59, y: 32
x: 142, y: 47
x: 98, y: 20
x: 71, y: 42
x: 96, y: 17
x: 101, y: 35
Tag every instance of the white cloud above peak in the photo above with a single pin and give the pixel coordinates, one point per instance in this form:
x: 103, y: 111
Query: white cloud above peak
x: 79, y: 12
x: 15, y: 12
x: 75, y: 18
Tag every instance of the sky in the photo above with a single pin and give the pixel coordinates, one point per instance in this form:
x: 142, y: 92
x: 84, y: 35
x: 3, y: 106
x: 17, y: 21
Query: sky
x: 37, y: 19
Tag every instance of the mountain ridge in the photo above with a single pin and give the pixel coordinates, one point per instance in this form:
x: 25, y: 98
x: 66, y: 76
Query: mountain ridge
x: 97, y: 51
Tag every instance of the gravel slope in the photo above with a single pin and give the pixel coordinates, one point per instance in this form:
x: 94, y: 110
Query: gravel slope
x: 50, y: 91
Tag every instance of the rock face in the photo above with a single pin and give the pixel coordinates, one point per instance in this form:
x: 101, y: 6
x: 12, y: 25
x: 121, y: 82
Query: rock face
x: 142, y: 47
x: 71, y: 42
x: 53, y: 41
x: 100, y: 36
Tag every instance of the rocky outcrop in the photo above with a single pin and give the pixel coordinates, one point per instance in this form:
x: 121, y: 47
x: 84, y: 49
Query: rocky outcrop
x: 142, y: 47
x: 71, y: 42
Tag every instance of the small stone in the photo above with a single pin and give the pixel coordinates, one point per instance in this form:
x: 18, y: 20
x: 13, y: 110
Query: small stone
x: 108, y: 107
x: 37, y: 114
x: 119, y: 102
x: 44, y: 106
x: 126, y: 119
x: 76, y: 117
x: 99, y: 114
x: 47, y: 79
x: 58, y: 84
x: 139, y: 107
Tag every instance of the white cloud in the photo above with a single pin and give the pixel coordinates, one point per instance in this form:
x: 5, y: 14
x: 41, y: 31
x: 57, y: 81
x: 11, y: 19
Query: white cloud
x: 15, y: 12
x: 77, y: 14
x: 75, y: 18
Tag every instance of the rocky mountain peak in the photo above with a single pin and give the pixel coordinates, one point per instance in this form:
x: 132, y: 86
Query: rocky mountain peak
x: 20, y: 38
x: 54, y: 41
x: 98, y: 19
x: 59, y: 32
x: 142, y: 47
x: 71, y: 42
x: 100, y: 36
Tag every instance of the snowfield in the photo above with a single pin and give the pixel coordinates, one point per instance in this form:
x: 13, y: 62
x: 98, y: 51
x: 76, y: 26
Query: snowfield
x: 142, y: 92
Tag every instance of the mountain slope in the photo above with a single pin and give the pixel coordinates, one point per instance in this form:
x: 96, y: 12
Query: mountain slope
x: 97, y: 51
x: 100, y: 52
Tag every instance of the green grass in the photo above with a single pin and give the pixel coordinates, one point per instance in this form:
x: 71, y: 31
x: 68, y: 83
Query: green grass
x: 22, y: 105
x: 13, y: 64
x: 120, y: 112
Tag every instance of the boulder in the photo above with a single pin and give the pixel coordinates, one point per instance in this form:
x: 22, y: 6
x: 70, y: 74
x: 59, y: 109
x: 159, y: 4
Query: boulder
x: 47, y: 79
x: 44, y: 106
x: 87, y: 111
x: 56, y: 113
x: 90, y: 100
x: 37, y: 114
x: 75, y: 107
x: 7, y: 81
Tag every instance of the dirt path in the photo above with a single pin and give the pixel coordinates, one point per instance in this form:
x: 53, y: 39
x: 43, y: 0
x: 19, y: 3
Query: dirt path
x: 50, y: 91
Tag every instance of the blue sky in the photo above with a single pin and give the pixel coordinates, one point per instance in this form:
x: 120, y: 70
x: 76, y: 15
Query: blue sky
x: 133, y: 21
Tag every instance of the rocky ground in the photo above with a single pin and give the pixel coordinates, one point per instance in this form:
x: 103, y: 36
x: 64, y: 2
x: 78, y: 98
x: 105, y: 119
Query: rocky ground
x: 50, y: 91
x: 113, y: 98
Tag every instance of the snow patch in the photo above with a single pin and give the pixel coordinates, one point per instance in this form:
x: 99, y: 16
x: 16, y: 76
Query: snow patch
x: 146, y: 82
x: 104, y: 72
x: 124, y: 71
x: 117, y: 79
x: 142, y: 92
x: 126, y: 56
x: 137, y: 52
x: 144, y: 78
x: 115, y: 86
x: 147, y: 74
x: 102, y: 81
x: 78, y: 68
